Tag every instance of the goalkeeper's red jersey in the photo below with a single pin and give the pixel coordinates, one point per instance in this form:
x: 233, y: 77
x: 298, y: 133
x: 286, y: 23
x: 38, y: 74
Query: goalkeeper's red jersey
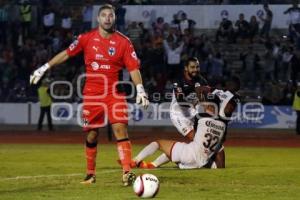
x: 104, y: 59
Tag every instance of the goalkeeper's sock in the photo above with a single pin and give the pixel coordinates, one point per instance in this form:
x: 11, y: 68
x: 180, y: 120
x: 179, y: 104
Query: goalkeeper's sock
x: 147, y: 151
x: 124, y: 150
x: 160, y: 160
x: 91, y: 153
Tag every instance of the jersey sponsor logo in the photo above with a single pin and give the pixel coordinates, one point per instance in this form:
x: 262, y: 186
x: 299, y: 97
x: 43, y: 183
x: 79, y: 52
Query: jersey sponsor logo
x: 111, y: 51
x: 95, y: 66
x: 73, y: 45
x: 97, y: 39
x: 99, y: 56
x: 112, y: 42
x: 104, y: 66
x: 133, y: 55
x: 213, y: 125
x: 215, y: 132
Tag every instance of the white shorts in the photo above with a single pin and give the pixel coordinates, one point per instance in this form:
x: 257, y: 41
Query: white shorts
x: 186, y: 155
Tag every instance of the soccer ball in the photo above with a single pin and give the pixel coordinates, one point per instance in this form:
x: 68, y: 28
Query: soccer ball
x: 146, y: 186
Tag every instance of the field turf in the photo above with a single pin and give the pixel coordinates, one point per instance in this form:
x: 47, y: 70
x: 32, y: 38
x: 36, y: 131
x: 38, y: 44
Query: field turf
x: 51, y: 171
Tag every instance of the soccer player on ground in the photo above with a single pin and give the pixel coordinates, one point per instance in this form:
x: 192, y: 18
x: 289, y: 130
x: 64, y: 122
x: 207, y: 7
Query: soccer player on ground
x: 183, y: 119
x: 106, y: 51
x: 196, y: 154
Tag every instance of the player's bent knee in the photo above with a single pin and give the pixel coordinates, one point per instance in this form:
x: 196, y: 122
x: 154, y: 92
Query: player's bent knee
x: 92, y: 136
x: 120, y: 131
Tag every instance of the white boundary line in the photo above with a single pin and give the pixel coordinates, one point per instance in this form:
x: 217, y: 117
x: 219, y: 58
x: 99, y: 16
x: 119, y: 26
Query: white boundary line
x: 56, y: 175
x: 100, y: 171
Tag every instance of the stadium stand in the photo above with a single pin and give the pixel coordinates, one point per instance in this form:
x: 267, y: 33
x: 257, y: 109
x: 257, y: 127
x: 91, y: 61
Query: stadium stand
x: 20, y: 54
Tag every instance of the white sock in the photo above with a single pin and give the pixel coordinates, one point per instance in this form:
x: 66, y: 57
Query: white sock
x: 147, y: 151
x: 160, y: 160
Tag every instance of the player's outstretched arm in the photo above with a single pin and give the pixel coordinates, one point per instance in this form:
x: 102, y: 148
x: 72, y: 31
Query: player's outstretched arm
x: 141, y: 96
x: 56, y: 60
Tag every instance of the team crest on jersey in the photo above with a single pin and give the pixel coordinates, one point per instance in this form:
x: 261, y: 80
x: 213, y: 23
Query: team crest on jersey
x: 111, y: 51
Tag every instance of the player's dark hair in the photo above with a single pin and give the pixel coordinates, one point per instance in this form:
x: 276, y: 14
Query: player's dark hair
x: 190, y: 59
x: 106, y: 6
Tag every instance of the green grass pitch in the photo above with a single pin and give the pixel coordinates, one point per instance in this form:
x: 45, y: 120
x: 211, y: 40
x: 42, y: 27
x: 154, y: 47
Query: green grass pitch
x: 54, y: 172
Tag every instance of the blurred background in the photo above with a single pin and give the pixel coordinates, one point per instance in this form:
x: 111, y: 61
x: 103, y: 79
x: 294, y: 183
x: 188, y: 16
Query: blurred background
x: 257, y: 40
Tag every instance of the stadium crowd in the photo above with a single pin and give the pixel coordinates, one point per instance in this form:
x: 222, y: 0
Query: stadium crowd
x: 33, y: 31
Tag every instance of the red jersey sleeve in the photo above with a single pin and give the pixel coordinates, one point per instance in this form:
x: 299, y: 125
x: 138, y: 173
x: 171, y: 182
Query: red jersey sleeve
x: 130, y: 58
x: 76, y: 47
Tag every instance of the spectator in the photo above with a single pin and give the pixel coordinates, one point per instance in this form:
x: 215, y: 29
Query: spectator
x: 134, y: 32
x: 158, y: 26
x: 153, y: 56
x: 277, y: 54
x: 25, y: 13
x: 216, y: 71
x: 56, y: 41
x: 225, y: 30
x: 296, y: 106
x: 242, y: 27
x: 173, y: 53
x: 287, y: 55
x: 288, y: 93
x: 175, y: 22
x: 45, y: 105
x: 66, y: 22
x: 295, y: 36
x: 120, y: 15
x: 272, y: 94
x: 250, y: 67
x: 290, y: 61
x: 267, y: 22
x: 186, y: 23
x: 3, y: 22
x: 294, y: 18
x: 87, y: 16
x: 253, y: 27
x: 145, y: 35
x: 269, y: 64
x: 195, y: 49
x: 295, y: 63
x: 48, y: 21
